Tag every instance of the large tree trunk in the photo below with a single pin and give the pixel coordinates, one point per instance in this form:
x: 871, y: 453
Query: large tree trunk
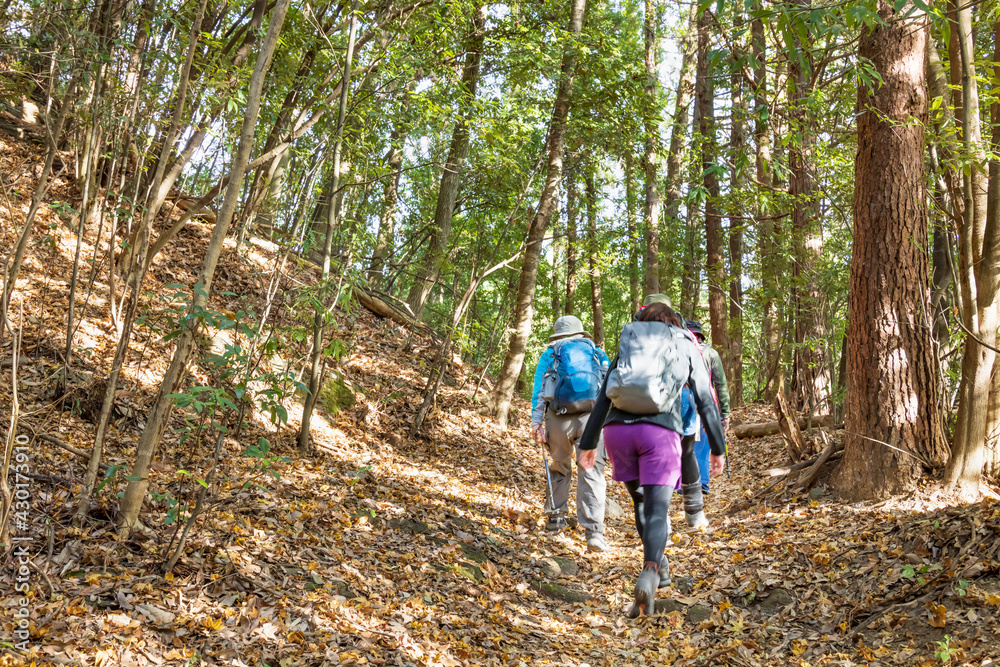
x: 593, y: 258
x: 715, y: 263
x: 152, y: 434
x: 651, y: 157
x: 892, y: 418
x: 979, y: 269
x: 524, y: 309
x: 451, y: 176
x: 811, y: 356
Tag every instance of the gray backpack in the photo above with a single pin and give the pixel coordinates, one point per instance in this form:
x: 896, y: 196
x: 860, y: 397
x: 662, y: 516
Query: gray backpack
x: 645, y: 382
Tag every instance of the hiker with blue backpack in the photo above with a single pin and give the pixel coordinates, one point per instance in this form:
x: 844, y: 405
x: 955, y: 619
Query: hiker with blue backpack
x: 639, y: 410
x: 567, y: 381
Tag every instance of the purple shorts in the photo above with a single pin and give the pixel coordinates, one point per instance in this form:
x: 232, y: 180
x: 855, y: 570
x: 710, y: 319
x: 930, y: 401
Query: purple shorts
x: 646, y: 452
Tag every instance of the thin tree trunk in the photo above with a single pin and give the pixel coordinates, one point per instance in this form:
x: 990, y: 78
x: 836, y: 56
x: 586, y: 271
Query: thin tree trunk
x: 892, y: 418
x: 651, y: 157
x: 53, y: 135
x: 737, y: 140
x: 634, y: 295
x: 593, y: 259
x: 715, y: 263
x: 555, y: 285
x: 675, y: 163
x: 572, y: 207
x: 387, y: 219
x: 152, y: 434
x: 811, y: 356
x: 451, y: 177
x: 547, y: 203
x: 315, y: 382
x: 979, y: 263
x: 765, y: 232
x: 991, y: 462
x: 128, y: 320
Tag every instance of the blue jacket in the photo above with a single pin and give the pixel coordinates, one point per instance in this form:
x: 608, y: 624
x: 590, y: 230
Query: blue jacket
x: 544, y: 366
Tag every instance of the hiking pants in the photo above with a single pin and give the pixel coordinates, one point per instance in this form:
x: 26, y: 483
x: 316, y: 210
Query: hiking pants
x: 563, y: 434
x: 701, y: 451
x: 651, y: 505
x: 690, y: 470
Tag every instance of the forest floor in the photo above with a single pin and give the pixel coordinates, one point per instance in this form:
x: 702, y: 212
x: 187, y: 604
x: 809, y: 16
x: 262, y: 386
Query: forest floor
x: 387, y: 552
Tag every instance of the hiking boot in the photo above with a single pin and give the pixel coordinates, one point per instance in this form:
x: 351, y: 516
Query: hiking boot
x: 555, y: 524
x: 645, y: 594
x: 694, y: 506
x: 595, y: 542
x: 664, y: 571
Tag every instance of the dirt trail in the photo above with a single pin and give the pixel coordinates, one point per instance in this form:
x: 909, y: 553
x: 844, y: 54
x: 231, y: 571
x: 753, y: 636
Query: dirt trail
x: 377, y: 551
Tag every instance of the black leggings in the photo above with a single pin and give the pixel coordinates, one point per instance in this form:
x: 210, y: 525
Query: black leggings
x: 690, y: 473
x: 651, y: 503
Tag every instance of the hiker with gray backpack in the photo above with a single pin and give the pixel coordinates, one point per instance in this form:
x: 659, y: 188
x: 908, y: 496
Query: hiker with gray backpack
x: 567, y: 382
x: 721, y: 389
x: 639, y: 410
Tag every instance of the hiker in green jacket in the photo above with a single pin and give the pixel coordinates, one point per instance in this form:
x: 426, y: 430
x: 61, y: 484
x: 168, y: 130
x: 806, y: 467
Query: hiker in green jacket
x: 721, y: 388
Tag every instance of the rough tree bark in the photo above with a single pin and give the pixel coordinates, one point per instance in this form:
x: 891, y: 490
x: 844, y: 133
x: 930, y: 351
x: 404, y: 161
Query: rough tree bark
x: 893, y: 423
x: 811, y: 363
x: 524, y: 309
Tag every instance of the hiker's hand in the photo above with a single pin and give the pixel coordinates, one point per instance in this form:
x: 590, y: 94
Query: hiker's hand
x: 716, y: 464
x: 538, y: 430
x: 588, y: 458
x: 725, y: 424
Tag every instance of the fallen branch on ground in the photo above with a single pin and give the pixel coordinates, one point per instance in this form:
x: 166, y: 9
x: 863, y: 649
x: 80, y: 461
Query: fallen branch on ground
x: 51, y: 439
x: 384, y: 309
x: 787, y: 470
x: 770, y: 428
x: 809, y: 476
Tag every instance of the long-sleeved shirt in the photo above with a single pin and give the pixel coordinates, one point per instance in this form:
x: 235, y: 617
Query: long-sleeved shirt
x: 714, y: 362
x: 690, y: 368
x: 544, y: 366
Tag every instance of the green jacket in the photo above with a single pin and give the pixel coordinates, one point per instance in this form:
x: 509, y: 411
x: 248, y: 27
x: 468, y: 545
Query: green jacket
x: 714, y: 362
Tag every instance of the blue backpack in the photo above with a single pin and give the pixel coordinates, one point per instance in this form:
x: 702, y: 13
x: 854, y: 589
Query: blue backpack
x: 572, y: 384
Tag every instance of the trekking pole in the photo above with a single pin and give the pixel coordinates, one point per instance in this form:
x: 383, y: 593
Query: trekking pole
x: 548, y: 480
x: 729, y: 473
